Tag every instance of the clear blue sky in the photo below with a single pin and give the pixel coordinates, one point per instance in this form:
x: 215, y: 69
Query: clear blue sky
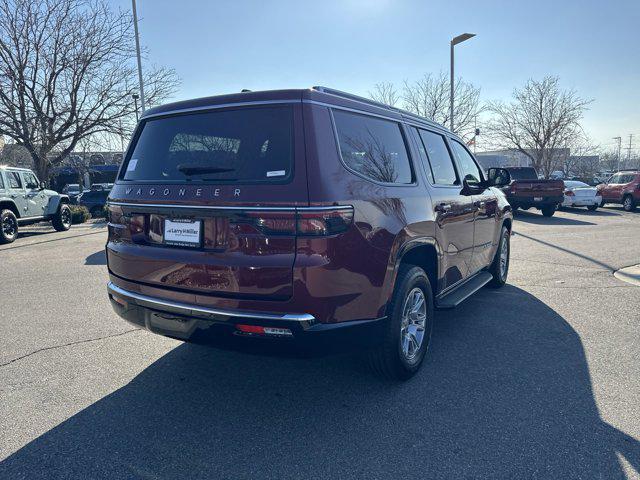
x: 224, y: 46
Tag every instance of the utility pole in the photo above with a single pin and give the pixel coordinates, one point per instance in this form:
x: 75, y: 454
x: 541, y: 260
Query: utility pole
x: 619, y: 139
x: 629, y: 150
x: 135, y: 29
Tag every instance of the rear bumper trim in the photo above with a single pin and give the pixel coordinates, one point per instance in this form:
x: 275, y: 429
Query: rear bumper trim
x: 188, y: 309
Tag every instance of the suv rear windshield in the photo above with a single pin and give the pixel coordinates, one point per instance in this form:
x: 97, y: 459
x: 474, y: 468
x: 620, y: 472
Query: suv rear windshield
x: 244, y: 145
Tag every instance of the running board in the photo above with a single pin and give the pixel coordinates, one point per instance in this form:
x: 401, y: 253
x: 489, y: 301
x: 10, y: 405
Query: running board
x: 464, y: 291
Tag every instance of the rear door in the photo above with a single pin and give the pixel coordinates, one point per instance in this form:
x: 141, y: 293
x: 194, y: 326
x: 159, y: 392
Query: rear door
x: 205, y: 202
x: 17, y: 192
x: 454, y: 213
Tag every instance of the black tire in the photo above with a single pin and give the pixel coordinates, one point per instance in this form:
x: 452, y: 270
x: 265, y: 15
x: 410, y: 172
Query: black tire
x: 95, y: 212
x: 602, y: 202
x: 495, y: 269
x: 628, y: 203
x: 8, y: 226
x: 592, y: 208
x: 61, y: 221
x: 548, y: 210
x: 388, y: 359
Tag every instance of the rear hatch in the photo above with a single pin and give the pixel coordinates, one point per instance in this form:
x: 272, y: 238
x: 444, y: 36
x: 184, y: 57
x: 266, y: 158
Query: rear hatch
x: 206, y: 202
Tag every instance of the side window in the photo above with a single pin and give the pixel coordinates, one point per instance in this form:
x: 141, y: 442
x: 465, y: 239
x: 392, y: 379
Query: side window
x: 469, y: 170
x: 423, y: 155
x: 440, y: 162
x: 627, y: 179
x: 373, y: 147
x: 617, y: 178
x: 14, y: 180
x: 30, y: 181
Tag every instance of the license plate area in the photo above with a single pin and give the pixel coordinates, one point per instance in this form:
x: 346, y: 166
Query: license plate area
x: 538, y: 199
x: 182, y: 232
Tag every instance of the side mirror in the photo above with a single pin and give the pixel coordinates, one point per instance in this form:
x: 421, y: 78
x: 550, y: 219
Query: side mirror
x: 471, y: 188
x: 498, y: 177
x: 42, y: 186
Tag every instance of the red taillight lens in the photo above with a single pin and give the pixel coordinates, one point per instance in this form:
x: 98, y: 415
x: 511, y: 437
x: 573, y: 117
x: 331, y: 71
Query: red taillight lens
x: 569, y: 193
x: 283, y: 223
x: 304, y: 222
x: 324, y: 222
x: 123, y: 226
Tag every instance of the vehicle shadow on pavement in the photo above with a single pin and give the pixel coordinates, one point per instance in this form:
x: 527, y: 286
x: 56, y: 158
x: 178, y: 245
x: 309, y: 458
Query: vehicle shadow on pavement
x: 98, y: 258
x: 597, y: 213
x: 505, y: 393
x: 539, y: 219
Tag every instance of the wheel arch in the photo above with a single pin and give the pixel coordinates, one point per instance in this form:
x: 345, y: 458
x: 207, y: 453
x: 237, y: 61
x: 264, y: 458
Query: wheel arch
x: 423, y: 253
x: 9, y: 205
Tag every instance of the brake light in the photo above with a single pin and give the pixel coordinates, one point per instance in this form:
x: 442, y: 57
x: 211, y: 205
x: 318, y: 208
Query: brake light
x: 121, y: 226
x: 569, y: 193
x: 324, y: 222
x: 303, y: 222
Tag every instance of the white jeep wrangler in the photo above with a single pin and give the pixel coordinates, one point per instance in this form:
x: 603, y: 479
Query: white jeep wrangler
x: 24, y: 200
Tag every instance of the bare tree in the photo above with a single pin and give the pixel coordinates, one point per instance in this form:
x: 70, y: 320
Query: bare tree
x: 386, y: 93
x: 67, y: 72
x: 430, y: 97
x: 540, y: 120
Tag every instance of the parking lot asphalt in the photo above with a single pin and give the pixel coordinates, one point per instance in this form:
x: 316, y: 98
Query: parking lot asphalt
x: 540, y: 379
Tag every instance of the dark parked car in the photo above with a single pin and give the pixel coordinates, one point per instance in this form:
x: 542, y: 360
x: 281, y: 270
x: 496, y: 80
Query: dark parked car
x: 301, y: 217
x: 622, y: 188
x: 73, y: 191
x: 94, y: 200
x: 526, y: 191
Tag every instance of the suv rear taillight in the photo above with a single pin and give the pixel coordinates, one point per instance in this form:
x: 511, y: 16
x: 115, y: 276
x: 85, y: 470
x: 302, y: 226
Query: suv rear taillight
x: 569, y: 193
x: 303, y: 221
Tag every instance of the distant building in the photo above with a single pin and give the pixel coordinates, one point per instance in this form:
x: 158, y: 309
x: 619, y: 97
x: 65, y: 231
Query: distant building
x: 85, y: 167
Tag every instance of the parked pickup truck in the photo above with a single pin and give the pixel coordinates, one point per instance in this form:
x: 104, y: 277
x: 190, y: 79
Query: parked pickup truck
x: 526, y: 190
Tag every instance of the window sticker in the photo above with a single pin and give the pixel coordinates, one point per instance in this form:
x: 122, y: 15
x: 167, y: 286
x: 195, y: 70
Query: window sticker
x: 133, y: 163
x: 276, y: 173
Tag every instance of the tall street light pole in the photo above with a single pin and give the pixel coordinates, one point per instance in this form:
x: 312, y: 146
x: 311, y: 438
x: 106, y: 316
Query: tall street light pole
x: 454, y: 42
x: 135, y: 29
x: 619, y: 139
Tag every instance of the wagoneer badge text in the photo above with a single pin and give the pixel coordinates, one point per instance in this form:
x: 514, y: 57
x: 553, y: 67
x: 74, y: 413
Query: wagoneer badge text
x: 198, y: 192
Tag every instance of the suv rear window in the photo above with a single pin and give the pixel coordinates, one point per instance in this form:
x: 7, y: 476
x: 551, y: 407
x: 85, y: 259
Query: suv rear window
x: 244, y: 145
x: 373, y: 147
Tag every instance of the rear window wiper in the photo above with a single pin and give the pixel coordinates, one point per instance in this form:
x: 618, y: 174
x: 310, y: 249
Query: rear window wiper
x: 190, y: 170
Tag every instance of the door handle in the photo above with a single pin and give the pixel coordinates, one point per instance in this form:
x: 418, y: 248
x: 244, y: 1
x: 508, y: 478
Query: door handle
x: 443, y: 207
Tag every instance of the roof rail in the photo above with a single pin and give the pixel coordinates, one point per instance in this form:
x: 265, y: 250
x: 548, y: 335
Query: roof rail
x: 358, y: 98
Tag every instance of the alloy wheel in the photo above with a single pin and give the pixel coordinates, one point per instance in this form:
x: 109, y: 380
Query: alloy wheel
x: 9, y: 226
x: 65, y: 216
x: 413, y: 324
x: 504, y: 257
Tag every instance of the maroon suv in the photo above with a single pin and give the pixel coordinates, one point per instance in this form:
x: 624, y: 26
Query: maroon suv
x: 300, y: 215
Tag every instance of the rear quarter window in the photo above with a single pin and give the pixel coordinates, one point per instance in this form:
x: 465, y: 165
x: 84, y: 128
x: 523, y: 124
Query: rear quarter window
x: 243, y: 145
x: 373, y: 147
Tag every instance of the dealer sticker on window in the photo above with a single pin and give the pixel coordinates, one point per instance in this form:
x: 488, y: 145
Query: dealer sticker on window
x: 182, y: 232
